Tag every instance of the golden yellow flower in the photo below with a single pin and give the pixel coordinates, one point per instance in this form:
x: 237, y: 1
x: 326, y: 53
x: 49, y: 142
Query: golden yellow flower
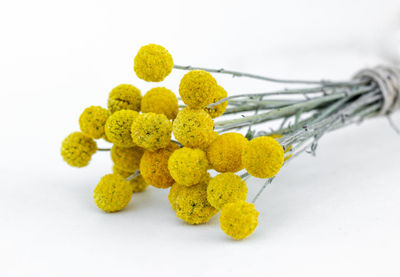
x: 226, y: 188
x: 138, y: 184
x: 193, y: 128
x: 77, y: 149
x: 153, y: 63
x: 173, y: 194
x: 263, y: 157
x: 92, y: 121
x: 188, y: 166
x: 154, y: 167
x: 118, y: 127
x: 225, y: 152
x: 151, y: 131
x: 112, y: 193
x: 162, y: 101
x: 126, y: 158
x: 218, y: 110
x: 197, y: 89
x: 124, y: 97
x: 239, y: 219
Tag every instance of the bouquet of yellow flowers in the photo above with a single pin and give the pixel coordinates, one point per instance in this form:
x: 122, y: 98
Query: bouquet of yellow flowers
x: 168, y: 142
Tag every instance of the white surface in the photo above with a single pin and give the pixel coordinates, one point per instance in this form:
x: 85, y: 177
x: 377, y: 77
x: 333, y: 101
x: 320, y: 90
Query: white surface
x: 333, y: 215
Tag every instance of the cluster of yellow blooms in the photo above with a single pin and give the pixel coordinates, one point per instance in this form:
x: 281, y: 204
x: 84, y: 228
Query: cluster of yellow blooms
x: 144, y: 152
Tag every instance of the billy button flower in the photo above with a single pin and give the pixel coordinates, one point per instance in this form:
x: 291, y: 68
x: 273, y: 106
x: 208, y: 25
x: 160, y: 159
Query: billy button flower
x: 263, y: 157
x: 161, y: 101
x: 154, y: 167
x: 153, y: 63
x: 239, y: 219
x: 124, y: 97
x: 77, y: 149
x: 138, y: 183
x: 226, y: 188
x: 118, y: 127
x: 126, y: 159
x: 188, y: 166
x: 218, y: 110
x: 225, y: 152
x: 197, y: 89
x: 92, y: 121
x: 151, y: 131
x: 193, y: 128
x: 112, y: 193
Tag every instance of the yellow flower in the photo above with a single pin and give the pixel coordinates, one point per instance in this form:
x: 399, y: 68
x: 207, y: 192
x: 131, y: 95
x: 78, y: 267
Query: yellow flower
x: 173, y: 194
x: 225, y: 152
x: 162, y: 101
x: 239, y: 219
x: 92, y: 121
x: 263, y: 157
x: 193, y: 128
x: 151, y: 131
x: 124, y: 97
x: 118, y: 127
x: 226, y: 188
x: 188, y: 166
x: 77, y: 149
x: 191, y: 203
x: 153, y: 63
x: 112, y: 193
x: 127, y: 159
x: 138, y: 184
x: 218, y: 110
x: 154, y: 167
x: 198, y: 89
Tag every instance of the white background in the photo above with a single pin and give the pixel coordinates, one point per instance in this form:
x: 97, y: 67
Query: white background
x: 333, y: 215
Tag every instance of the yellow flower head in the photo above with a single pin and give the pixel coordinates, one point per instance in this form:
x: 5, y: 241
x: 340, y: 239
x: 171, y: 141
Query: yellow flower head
x: 124, y: 97
x: 193, y: 128
x: 188, y: 166
x: 112, y: 193
x: 118, y: 127
x: 197, y: 89
x: 153, y: 63
x: 138, y: 184
x: 151, y: 131
x: 225, y: 152
x: 173, y: 194
x: 191, y: 203
x: 92, y: 121
x: 218, y: 110
x: 126, y: 158
x: 162, y: 101
x: 154, y: 167
x: 226, y: 188
x: 239, y: 219
x: 263, y: 157
x: 77, y: 149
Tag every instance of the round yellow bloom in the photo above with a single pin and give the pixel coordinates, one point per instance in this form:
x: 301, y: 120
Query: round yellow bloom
x: 188, y: 166
x: 239, y: 219
x: 124, y: 97
x: 118, y: 127
x: 225, y: 152
x: 162, y: 101
x: 154, y: 167
x: 173, y: 194
x: 153, y: 63
x: 92, y: 121
x: 112, y: 193
x: 193, y: 128
x: 127, y: 159
x: 77, y: 149
x: 191, y: 204
x: 218, y: 110
x: 226, y: 188
x: 198, y: 88
x: 138, y: 184
x: 151, y: 131
x: 263, y: 157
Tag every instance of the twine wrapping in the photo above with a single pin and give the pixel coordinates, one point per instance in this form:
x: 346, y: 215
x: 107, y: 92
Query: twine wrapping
x: 388, y: 80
